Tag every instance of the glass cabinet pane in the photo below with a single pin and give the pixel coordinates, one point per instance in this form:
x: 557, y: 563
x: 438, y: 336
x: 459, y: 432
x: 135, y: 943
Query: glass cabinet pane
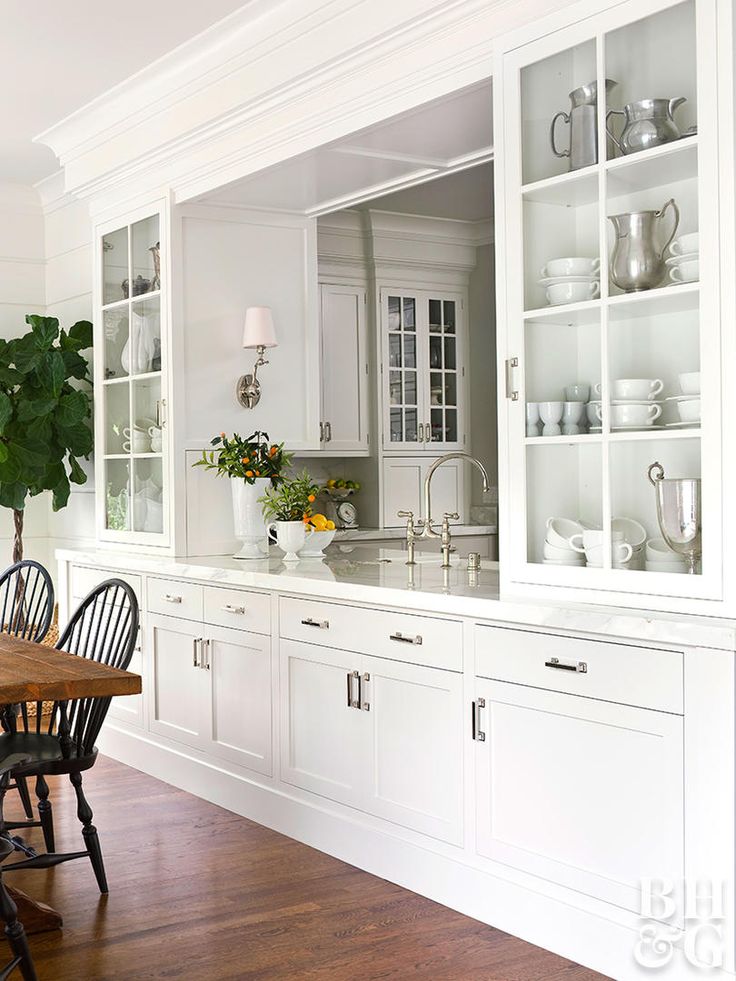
x: 116, y: 329
x: 117, y: 495
x: 146, y: 255
x: 145, y: 336
x: 402, y: 381
x: 117, y: 418
x: 148, y: 496
x: 114, y: 265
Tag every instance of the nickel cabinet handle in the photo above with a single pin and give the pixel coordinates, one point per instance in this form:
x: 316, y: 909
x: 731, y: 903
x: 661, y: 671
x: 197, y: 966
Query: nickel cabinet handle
x: 206, y: 657
x: 420, y: 432
x: 328, y: 432
x: 195, y: 651
x: 365, y: 704
x: 321, y: 432
x: 229, y: 608
x: 353, y: 678
x: 401, y: 639
x: 478, y: 735
x: 511, y: 392
x: 169, y: 598
x: 580, y: 667
x: 322, y: 624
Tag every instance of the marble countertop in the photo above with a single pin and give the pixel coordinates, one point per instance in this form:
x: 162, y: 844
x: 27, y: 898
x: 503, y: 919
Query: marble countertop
x: 379, y: 576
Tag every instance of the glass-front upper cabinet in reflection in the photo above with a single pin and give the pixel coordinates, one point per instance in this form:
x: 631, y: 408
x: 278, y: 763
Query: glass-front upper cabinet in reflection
x: 131, y: 378
x: 423, y: 344
x: 609, y: 182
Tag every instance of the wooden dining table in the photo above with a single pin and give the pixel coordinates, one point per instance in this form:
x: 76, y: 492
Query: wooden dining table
x: 31, y: 672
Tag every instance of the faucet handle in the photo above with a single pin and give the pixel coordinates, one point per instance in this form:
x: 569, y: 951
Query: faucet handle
x: 450, y: 516
x: 405, y: 514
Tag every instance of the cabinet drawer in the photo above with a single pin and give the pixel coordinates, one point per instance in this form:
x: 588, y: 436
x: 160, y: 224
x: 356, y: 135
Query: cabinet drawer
x: 83, y: 580
x: 236, y: 608
x: 613, y: 672
x: 397, y: 636
x: 175, y: 598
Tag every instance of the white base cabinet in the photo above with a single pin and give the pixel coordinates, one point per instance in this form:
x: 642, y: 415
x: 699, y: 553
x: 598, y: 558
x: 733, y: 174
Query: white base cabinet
x: 584, y: 793
x: 398, y: 728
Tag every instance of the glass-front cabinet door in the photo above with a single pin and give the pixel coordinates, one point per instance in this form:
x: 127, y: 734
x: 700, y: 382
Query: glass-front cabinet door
x: 610, y: 177
x: 130, y: 381
x: 422, y: 369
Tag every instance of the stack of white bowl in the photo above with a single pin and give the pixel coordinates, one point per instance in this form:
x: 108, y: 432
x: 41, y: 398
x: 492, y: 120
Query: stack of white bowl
x: 659, y: 557
x: 571, y: 279
x: 688, y: 403
x: 684, y: 262
x: 634, y: 404
x: 633, y: 534
x: 557, y: 548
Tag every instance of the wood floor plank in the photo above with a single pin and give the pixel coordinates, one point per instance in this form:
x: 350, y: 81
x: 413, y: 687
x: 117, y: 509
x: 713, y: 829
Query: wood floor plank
x: 200, y: 894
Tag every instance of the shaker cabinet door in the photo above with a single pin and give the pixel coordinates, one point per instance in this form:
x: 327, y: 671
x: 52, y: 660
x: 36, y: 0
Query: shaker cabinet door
x: 178, y: 686
x: 344, y: 369
x: 324, y: 740
x: 584, y: 793
x: 239, y: 710
x: 415, y: 774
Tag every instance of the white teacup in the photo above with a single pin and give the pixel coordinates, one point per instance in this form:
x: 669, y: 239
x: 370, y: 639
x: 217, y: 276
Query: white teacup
x: 579, y: 392
x: 570, y: 266
x: 637, y: 389
x: 689, y: 410
x: 686, y: 244
x: 632, y: 532
x: 560, y: 293
x: 566, y: 554
x: 686, y: 272
x: 139, y: 444
x: 590, y: 543
x: 632, y: 414
x: 591, y: 411
x: 157, y: 445
x: 551, y: 415
x: 560, y: 530
x: 657, y: 550
x: 689, y: 382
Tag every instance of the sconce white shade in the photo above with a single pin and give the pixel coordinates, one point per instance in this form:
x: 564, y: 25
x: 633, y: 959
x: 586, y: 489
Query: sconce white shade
x: 259, y: 330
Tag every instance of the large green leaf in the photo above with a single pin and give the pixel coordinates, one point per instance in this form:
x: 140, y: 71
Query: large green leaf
x: 81, y: 334
x: 33, y: 409
x: 24, y: 354
x: 13, y: 495
x: 76, y: 474
x: 6, y: 411
x: 52, y: 372
x: 77, y: 438
x: 73, y: 408
x: 74, y: 365
x: 45, y: 330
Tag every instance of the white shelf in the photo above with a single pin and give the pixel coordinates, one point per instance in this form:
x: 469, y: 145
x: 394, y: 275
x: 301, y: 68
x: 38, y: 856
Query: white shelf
x: 668, y: 164
x: 585, y: 438
x: 132, y: 456
x: 117, y: 304
x: 648, y: 303
x: 578, y: 187
x: 639, y: 435
x: 145, y: 376
x: 567, y: 314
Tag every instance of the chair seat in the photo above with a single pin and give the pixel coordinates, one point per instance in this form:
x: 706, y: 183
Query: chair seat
x: 44, y: 752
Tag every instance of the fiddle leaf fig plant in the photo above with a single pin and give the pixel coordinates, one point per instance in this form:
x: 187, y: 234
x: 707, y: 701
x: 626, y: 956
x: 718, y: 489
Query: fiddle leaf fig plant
x: 44, y: 419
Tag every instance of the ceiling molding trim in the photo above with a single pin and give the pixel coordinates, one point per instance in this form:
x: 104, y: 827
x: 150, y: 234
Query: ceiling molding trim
x: 20, y: 199
x: 251, y: 135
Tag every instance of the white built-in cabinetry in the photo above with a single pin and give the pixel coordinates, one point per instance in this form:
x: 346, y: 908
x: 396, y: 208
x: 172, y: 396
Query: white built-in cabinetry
x: 345, y: 383
x: 403, y: 485
x: 546, y: 211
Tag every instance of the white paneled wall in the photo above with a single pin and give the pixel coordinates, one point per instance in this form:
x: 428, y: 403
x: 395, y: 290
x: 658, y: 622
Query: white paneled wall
x: 22, y: 291
x: 67, y: 251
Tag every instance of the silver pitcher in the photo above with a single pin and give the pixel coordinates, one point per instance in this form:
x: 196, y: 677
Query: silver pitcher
x: 636, y: 261
x: 582, y: 149
x: 648, y: 123
x: 678, y: 514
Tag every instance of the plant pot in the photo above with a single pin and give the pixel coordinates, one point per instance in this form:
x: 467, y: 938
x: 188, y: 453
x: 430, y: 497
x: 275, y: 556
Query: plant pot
x: 250, y: 526
x: 290, y: 537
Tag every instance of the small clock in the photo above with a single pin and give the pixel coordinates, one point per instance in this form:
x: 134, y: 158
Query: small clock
x: 347, y: 514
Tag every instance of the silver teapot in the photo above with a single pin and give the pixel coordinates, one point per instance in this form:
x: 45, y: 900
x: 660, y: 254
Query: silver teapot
x: 648, y: 123
x: 636, y: 261
x: 582, y: 149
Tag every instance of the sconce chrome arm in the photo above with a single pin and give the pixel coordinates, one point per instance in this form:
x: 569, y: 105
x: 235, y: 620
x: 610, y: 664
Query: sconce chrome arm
x: 248, y: 389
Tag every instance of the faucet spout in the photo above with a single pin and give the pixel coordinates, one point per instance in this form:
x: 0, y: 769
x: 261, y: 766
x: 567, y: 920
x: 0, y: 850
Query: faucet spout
x: 427, y: 529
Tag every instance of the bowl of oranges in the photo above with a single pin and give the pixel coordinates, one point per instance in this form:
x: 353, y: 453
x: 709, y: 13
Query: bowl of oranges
x: 320, y: 532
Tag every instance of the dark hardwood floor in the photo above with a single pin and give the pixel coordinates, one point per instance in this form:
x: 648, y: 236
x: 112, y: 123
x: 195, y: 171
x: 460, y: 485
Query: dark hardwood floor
x: 199, y: 893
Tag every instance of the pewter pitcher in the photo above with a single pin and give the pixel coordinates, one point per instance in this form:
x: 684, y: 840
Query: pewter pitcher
x: 648, y: 123
x: 582, y: 150
x: 678, y: 514
x: 637, y: 263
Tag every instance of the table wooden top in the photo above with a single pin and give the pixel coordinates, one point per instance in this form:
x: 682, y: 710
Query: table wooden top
x: 30, y: 672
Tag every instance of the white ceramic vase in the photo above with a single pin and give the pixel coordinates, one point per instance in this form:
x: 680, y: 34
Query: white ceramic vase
x: 250, y: 526
x: 290, y: 536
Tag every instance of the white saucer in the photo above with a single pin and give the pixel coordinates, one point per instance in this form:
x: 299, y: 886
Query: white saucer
x: 554, y: 280
x: 639, y: 426
x: 637, y: 401
x: 683, y: 425
x: 682, y: 398
x: 571, y: 565
x: 595, y: 429
x: 675, y: 260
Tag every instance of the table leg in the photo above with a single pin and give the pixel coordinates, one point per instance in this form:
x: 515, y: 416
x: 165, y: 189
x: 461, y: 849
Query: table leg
x: 36, y: 917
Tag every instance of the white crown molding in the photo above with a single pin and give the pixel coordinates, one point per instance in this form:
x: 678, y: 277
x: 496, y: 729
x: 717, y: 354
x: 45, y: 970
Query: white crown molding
x: 52, y: 192
x: 274, y: 80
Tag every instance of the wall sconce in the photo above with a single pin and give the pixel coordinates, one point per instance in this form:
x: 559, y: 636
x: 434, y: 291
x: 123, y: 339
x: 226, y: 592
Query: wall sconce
x: 258, y: 333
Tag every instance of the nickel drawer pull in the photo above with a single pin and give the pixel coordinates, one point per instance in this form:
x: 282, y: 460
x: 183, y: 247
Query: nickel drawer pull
x: 229, y: 608
x: 206, y: 657
x: 400, y: 638
x: 353, y: 676
x: 195, y: 660
x: 581, y: 667
x: 170, y: 598
x: 476, y: 731
x: 322, y: 624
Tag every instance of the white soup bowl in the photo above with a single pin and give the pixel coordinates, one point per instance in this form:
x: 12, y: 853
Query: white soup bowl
x: 636, y: 389
x: 570, y: 266
x: 560, y: 293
